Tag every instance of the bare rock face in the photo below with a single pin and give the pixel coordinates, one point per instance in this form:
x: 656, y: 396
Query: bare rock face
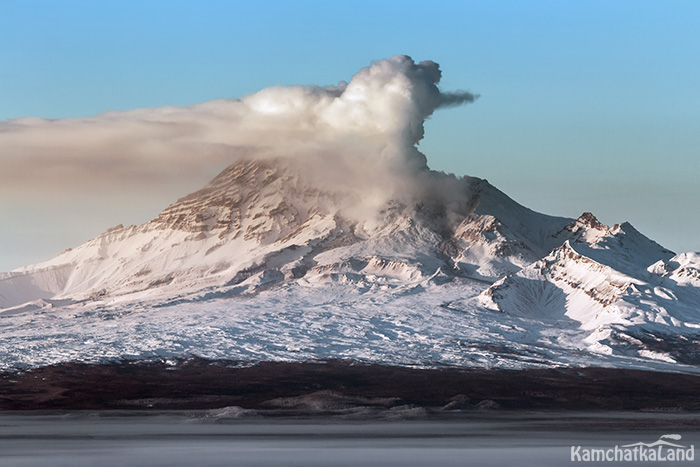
x: 256, y: 200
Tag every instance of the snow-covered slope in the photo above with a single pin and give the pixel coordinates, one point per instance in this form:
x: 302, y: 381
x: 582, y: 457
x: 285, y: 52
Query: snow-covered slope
x: 683, y: 269
x: 263, y: 264
x: 500, y: 236
x: 249, y: 212
x: 262, y: 221
x: 609, y: 281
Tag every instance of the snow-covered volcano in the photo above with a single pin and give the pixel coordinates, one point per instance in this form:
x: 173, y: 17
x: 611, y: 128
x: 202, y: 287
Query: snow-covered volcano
x: 260, y: 264
x: 330, y: 237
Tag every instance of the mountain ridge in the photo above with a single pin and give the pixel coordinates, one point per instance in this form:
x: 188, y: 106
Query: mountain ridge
x: 260, y: 231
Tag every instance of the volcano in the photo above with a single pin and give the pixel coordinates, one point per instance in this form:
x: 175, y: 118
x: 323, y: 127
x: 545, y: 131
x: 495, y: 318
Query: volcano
x: 260, y: 265
x: 330, y: 238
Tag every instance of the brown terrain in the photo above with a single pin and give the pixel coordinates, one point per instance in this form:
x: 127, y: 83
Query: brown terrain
x: 331, y: 386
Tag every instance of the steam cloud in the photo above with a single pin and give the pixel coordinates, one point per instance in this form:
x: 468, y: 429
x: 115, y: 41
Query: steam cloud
x: 360, y: 135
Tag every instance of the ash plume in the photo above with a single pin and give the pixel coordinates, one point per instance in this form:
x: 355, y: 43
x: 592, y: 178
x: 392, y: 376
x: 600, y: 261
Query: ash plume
x: 359, y: 137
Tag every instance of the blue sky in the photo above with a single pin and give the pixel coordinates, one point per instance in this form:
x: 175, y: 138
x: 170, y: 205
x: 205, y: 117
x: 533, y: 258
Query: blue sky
x: 585, y: 106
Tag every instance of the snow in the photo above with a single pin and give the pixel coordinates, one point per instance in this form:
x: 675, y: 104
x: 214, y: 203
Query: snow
x: 429, y: 325
x: 259, y: 266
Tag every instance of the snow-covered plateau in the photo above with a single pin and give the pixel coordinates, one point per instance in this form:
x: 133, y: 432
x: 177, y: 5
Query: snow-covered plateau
x: 264, y: 264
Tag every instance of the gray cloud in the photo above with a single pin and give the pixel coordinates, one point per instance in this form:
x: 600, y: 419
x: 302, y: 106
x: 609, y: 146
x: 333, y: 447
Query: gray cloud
x: 455, y: 98
x: 366, y: 129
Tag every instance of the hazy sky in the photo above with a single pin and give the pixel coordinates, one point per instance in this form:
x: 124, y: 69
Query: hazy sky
x: 585, y: 106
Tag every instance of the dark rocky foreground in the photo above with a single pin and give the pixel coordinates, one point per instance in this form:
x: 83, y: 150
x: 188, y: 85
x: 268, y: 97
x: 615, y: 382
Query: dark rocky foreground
x: 332, y: 386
